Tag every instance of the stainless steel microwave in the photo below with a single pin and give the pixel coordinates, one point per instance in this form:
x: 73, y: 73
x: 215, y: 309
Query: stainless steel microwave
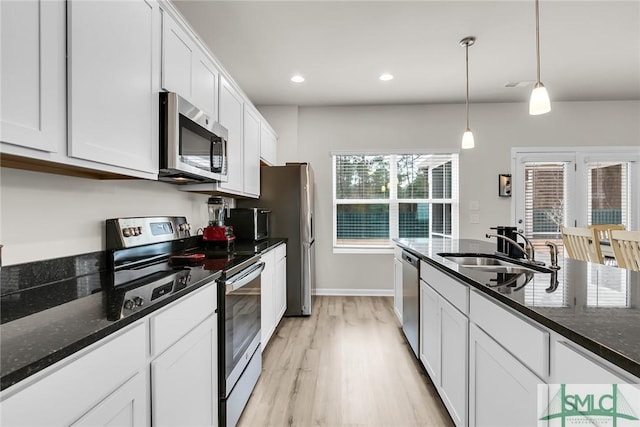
x: 193, y: 146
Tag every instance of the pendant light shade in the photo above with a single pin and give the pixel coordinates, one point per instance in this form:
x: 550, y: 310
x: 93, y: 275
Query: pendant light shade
x: 467, y: 136
x: 539, y: 102
x: 467, y: 139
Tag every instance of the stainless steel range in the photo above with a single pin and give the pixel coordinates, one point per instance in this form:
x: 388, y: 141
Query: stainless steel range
x: 154, y: 258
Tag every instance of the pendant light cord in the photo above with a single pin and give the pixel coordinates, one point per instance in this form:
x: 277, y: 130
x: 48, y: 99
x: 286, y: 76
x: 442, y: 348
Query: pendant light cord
x: 537, y: 41
x: 467, y: 62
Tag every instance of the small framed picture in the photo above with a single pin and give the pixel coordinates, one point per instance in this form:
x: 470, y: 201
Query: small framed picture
x: 504, y: 185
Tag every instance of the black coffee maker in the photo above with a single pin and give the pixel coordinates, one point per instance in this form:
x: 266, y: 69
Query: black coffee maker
x: 514, y: 251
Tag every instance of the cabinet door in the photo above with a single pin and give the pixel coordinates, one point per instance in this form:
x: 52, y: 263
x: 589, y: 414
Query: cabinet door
x: 397, y: 288
x: 114, y: 68
x: 32, y: 78
x: 125, y: 407
x: 177, y: 58
x: 184, y: 380
x: 268, y: 145
x: 251, y: 152
x: 430, y: 331
x: 231, y: 112
x: 73, y: 389
x: 205, y: 83
x: 281, y: 288
x: 454, y: 339
x: 267, y: 315
x: 502, y: 391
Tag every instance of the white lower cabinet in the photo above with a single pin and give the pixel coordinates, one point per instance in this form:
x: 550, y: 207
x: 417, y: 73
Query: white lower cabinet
x: 117, y: 380
x: 125, y: 407
x: 273, y: 292
x: 183, y: 380
x: 267, y: 308
x: 93, y: 389
x: 574, y: 365
x: 430, y: 331
x: 443, y: 350
x: 280, y: 288
x: 502, y: 391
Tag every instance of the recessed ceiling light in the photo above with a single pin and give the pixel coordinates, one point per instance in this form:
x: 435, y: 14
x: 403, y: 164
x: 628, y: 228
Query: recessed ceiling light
x: 385, y: 77
x: 297, y: 78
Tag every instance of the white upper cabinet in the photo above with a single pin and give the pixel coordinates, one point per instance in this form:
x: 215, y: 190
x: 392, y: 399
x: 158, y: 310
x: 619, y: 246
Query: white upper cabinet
x: 33, y: 74
x: 251, y: 152
x: 186, y: 70
x: 205, y: 83
x: 177, y: 58
x: 268, y: 145
x: 113, y: 77
x: 231, y: 114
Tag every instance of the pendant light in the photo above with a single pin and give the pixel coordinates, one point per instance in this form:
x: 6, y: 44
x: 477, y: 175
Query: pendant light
x: 539, y: 102
x: 467, y: 136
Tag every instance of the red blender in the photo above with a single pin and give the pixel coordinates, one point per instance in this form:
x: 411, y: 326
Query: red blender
x: 217, y: 234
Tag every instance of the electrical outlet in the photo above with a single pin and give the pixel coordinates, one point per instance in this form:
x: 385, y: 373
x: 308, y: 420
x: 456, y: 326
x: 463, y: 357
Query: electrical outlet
x: 474, y: 205
x: 474, y: 218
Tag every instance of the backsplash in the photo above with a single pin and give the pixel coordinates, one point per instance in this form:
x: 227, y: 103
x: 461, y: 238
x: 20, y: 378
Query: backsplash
x: 48, y: 216
x: 15, y: 278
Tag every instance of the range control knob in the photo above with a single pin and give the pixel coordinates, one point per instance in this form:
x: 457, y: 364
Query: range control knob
x: 126, y: 232
x: 139, y: 302
x: 129, y: 305
x: 139, y: 230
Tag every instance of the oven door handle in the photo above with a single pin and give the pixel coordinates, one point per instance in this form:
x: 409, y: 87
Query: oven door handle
x: 243, y: 278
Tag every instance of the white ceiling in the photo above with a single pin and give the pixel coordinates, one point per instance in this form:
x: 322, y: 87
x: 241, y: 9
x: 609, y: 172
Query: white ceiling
x: 590, y: 49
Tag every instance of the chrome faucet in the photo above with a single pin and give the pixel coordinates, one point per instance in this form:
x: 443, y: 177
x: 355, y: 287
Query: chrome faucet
x: 513, y: 242
x: 553, y: 252
x: 528, y: 247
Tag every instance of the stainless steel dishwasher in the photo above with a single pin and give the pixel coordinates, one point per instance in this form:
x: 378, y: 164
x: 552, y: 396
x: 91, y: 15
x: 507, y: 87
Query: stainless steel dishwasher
x: 411, y: 299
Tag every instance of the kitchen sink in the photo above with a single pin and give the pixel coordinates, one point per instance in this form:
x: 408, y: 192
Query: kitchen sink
x: 491, y: 263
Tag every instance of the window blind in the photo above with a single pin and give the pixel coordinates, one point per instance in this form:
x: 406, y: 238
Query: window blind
x: 608, y: 193
x: 545, y: 199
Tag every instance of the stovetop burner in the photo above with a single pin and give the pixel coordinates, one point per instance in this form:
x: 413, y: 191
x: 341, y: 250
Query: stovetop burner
x: 153, y: 258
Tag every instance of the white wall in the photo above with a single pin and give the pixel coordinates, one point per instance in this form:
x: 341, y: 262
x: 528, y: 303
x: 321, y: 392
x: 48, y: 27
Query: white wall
x: 497, y: 128
x: 45, y: 216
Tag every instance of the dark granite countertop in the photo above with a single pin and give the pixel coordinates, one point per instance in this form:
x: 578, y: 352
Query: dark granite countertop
x: 593, y: 305
x: 54, y: 308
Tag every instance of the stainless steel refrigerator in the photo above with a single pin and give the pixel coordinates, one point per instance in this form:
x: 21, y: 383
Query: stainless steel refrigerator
x: 287, y: 191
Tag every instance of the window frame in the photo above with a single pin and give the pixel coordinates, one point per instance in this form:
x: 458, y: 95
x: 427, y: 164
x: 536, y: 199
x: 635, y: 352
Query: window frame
x: 393, y: 201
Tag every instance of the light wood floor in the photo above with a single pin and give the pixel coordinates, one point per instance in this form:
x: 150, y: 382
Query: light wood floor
x: 346, y: 365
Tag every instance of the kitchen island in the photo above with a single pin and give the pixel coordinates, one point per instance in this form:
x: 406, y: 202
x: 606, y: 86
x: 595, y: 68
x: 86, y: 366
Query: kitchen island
x: 484, y: 332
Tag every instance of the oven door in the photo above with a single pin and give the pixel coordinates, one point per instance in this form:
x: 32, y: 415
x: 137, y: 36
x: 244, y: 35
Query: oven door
x: 242, y: 321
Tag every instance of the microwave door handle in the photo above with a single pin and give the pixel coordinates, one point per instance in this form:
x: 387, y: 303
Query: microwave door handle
x: 211, y: 143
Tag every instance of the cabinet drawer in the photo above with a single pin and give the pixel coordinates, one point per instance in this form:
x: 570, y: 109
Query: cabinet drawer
x: 457, y: 293
x: 526, y: 341
x: 67, y: 393
x: 185, y: 314
x: 576, y: 366
x: 281, y: 252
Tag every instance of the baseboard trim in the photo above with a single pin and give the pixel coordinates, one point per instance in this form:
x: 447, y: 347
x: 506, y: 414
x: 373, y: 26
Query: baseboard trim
x: 355, y: 292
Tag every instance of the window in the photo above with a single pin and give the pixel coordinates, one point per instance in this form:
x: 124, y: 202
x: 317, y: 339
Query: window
x: 378, y: 197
